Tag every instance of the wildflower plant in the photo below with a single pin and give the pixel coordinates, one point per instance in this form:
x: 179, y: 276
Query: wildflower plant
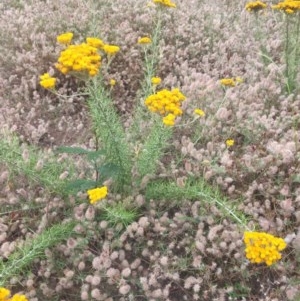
x: 291, y: 11
x: 291, y: 34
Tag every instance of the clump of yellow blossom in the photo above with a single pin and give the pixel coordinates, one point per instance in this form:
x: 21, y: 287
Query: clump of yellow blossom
x: 97, y: 194
x: 112, y: 82
x: 5, y: 296
x: 169, y: 120
x: 144, y: 40
x: 255, y: 6
x: 65, y: 38
x: 95, y: 42
x: 229, y: 142
x: 166, y: 102
x: 111, y: 49
x: 263, y: 247
x: 47, y: 82
x: 79, y: 58
x: 289, y: 6
x: 167, y: 3
x: 199, y: 112
x: 155, y: 80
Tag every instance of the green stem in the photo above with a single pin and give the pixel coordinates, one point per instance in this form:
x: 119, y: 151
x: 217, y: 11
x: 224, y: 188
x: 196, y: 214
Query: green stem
x: 287, y: 61
x: 109, y: 129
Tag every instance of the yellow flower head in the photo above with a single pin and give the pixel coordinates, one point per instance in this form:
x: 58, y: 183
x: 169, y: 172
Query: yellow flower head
x: 47, y: 82
x: 144, y: 40
x: 288, y: 6
x: 229, y: 142
x: 165, y: 101
x: 97, y: 194
x: 199, y: 112
x: 228, y: 82
x: 95, y: 42
x: 263, y: 247
x: 169, y: 120
x: 255, y: 6
x: 4, y: 293
x: 65, y: 38
x: 166, y: 3
x: 111, y: 49
x: 112, y: 82
x: 155, y: 80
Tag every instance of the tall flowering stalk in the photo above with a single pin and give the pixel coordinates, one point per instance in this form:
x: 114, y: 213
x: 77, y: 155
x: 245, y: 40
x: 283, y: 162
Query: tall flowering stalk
x: 164, y: 102
x: 291, y: 9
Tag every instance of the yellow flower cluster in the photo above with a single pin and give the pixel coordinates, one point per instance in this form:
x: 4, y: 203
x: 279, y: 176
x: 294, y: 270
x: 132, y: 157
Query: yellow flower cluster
x: 97, y: 194
x: 65, y: 38
x: 289, y: 6
x: 47, y: 82
x: 166, y: 102
x: 79, y: 58
x: 255, y: 6
x: 167, y: 3
x: 84, y: 57
x: 263, y: 247
x: 5, y: 296
x: 144, y: 40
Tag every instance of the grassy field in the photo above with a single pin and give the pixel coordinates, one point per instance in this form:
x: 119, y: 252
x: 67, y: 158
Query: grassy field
x: 157, y: 158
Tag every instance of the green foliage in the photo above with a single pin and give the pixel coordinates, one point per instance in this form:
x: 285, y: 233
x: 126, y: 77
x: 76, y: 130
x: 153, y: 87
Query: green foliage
x: 119, y: 214
x: 153, y: 149
x: 108, y: 128
x: 12, y: 155
x: 196, y: 189
x: 292, y: 52
x: 104, y: 170
x: 20, y: 260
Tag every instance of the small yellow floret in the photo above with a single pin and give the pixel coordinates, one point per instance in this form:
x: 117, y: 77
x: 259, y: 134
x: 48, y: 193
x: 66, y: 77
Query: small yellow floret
x: 155, y: 80
x: 47, y: 82
x: 111, y: 49
x: 95, y: 42
x: 144, y: 40
x: 199, y: 112
x: 97, y: 194
x: 65, y: 38
x: 167, y: 3
x: 112, y: 82
x: 228, y: 82
x: 169, y: 120
x: 229, y: 142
